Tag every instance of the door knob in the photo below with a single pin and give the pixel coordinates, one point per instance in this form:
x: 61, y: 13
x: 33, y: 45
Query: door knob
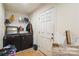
x: 51, y: 37
x: 52, y: 34
x: 23, y: 37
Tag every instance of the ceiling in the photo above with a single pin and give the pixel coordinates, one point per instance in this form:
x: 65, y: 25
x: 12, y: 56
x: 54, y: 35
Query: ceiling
x: 27, y: 8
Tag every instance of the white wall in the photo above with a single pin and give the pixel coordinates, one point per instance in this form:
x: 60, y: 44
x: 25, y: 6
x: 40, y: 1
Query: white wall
x: 1, y: 25
x: 17, y: 17
x: 67, y: 19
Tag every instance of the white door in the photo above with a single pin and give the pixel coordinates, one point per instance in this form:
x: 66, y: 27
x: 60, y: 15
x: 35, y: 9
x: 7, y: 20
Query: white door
x: 46, y: 31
